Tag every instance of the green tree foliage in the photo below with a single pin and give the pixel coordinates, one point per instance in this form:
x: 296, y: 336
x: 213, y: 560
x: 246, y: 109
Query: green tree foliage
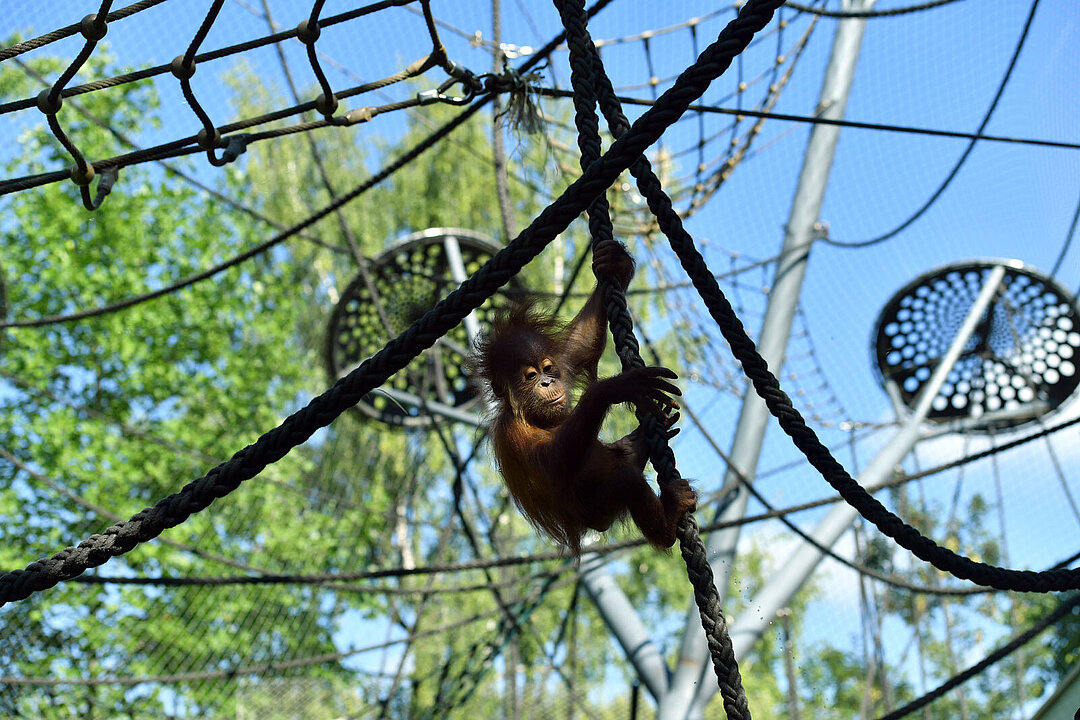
x: 117, y: 411
x: 108, y: 414
x: 943, y: 630
x: 111, y: 413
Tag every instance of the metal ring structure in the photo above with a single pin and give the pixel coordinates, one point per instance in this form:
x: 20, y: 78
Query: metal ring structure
x: 1020, y: 363
x: 409, y: 278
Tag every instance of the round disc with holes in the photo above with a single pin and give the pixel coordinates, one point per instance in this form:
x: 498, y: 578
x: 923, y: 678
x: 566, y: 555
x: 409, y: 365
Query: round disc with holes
x: 1020, y: 362
x: 408, y: 279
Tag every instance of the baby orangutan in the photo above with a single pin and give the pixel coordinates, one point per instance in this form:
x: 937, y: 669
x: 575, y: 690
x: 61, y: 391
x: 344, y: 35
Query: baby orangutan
x: 561, y: 475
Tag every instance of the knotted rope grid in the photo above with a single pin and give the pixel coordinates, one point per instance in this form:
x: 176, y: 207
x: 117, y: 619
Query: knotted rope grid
x: 790, y: 420
x: 322, y: 410
x: 624, y: 152
x: 93, y: 27
x: 210, y: 138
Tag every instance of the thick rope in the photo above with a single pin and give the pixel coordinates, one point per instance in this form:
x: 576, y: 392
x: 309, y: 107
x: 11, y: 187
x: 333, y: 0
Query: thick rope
x: 591, y: 83
x: 322, y: 410
x: 791, y: 421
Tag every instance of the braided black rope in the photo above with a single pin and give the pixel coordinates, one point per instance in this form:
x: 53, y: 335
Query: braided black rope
x: 591, y: 85
x: 792, y: 422
x: 322, y: 410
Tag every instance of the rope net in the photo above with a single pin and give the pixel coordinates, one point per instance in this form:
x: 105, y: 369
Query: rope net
x: 284, y: 646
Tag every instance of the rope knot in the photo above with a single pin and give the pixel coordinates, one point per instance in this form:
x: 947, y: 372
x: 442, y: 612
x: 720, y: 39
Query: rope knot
x: 522, y: 112
x: 612, y: 263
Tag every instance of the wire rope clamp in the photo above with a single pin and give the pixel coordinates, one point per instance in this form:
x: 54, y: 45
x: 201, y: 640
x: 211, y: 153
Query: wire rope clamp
x: 359, y: 115
x: 469, y: 83
x: 82, y: 174
x: 427, y: 97
x: 235, y: 146
x: 208, y: 141
x: 181, y: 68
x: 92, y: 28
x: 308, y: 32
x: 48, y: 104
x: 326, y: 104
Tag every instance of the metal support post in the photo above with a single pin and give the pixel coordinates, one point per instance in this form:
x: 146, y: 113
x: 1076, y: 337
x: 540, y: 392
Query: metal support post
x: 434, y: 407
x: 457, y: 271
x: 625, y: 625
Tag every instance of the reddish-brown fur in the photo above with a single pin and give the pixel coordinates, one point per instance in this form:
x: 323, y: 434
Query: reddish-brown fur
x: 561, y: 475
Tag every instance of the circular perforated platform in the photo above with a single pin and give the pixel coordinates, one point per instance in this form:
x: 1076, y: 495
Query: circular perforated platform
x: 1021, y: 361
x: 409, y: 278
